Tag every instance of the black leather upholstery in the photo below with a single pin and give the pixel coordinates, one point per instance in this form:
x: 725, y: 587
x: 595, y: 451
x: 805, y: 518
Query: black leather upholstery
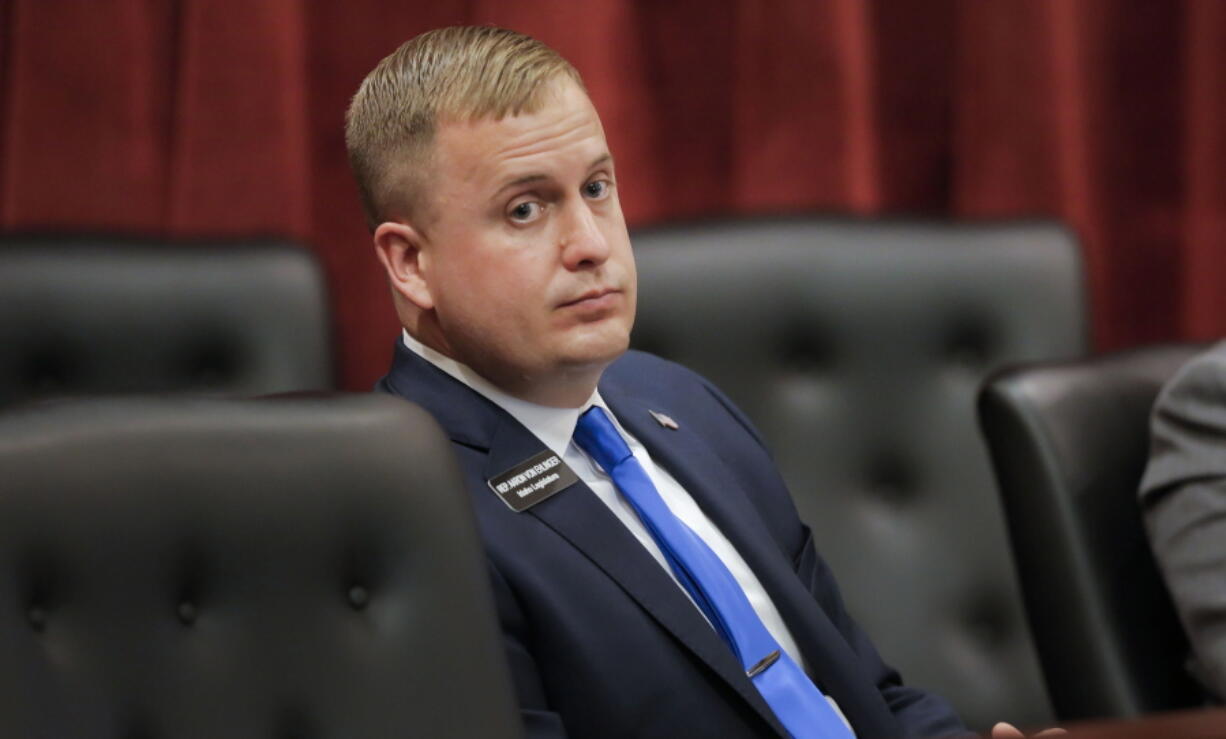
x: 307, y: 567
x: 1069, y: 443
x: 86, y: 316
x: 857, y: 348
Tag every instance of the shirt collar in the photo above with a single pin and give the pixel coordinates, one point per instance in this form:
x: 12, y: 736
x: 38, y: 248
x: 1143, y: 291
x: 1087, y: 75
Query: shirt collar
x: 553, y: 426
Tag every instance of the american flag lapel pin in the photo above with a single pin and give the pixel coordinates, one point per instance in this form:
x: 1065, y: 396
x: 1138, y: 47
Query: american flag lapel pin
x: 664, y: 420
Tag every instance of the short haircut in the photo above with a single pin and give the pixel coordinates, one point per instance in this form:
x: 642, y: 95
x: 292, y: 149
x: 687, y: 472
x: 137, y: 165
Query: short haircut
x: 458, y: 73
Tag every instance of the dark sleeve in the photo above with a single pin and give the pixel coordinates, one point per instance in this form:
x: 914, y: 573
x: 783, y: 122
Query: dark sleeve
x: 539, y: 722
x: 1184, y: 503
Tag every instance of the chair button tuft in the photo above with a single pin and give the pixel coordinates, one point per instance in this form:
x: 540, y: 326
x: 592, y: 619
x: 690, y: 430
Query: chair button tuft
x: 359, y: 597
x: 892, y: 478
x: 187, y: 612
x: 37, y: 616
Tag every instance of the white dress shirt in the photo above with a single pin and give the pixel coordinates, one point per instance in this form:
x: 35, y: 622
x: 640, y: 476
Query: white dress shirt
x: 555, y: 427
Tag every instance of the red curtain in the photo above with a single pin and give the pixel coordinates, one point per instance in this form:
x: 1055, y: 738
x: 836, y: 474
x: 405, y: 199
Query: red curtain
x: 221, y: 117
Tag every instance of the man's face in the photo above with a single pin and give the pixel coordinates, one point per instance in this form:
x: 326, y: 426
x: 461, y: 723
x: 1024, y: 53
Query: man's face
x: 525, y: 250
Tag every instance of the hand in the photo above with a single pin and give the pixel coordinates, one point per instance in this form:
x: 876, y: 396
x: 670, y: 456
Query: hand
x: 1009, y: 731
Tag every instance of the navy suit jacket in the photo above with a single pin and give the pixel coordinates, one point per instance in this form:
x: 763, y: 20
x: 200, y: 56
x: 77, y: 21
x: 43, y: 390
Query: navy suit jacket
x: 600, y: 640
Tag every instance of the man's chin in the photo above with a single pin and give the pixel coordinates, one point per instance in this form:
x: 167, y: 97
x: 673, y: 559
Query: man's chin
x: 595, y: 352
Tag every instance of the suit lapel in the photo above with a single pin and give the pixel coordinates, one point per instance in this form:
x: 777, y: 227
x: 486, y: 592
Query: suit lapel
x: 579, y: 517
x: 705, y: 477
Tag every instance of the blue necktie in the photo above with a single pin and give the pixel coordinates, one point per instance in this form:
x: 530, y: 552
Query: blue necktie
x: 796, y: 701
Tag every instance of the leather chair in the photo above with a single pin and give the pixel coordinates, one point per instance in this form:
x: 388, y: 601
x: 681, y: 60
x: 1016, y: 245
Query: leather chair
x: 1070, y: 442
x: 82, y: 316
x: 857, y: 348
x: 186, y: 567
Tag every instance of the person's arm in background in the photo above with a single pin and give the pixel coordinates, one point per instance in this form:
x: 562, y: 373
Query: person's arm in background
x: 1183, y: 496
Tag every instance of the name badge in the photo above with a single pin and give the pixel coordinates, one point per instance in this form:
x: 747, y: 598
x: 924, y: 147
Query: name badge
x: 532, y: 481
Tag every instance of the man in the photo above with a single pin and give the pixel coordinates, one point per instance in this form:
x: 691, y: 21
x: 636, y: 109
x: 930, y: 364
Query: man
x: 1183, y: 497
x: 638, y: 535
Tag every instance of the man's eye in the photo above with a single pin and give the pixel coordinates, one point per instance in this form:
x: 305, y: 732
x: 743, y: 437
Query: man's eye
x: 525, y: 211
x: 596, y: 189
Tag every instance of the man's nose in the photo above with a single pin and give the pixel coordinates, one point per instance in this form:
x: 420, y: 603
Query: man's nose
x: 583, y: 242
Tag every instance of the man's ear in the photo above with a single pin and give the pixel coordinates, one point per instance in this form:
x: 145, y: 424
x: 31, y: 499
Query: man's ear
x: 399, y: 247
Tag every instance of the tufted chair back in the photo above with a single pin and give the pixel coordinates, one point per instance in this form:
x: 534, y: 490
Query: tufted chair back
x: 857, y: 348
x: 180, y: 568
x: 1070, y: 441
x: 83, y: 316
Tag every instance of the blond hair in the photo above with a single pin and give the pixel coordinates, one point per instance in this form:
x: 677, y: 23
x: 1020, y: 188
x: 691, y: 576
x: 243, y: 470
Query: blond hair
x: 457, y: 73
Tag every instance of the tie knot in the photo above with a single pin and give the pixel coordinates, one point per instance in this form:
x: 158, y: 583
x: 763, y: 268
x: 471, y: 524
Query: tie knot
x: 596, y: 435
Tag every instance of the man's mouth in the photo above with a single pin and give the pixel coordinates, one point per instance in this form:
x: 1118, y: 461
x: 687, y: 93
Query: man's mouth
x: 592, y: 297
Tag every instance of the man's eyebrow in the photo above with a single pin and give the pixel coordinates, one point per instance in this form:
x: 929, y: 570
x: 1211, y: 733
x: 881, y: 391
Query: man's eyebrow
x: 528, y: 179
x: 525, y: 180
x: 605, y: 158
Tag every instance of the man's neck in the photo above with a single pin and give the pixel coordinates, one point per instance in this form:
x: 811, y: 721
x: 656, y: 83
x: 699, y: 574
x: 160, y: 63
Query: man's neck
x: 572, y: 389
x: 564, y: 390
